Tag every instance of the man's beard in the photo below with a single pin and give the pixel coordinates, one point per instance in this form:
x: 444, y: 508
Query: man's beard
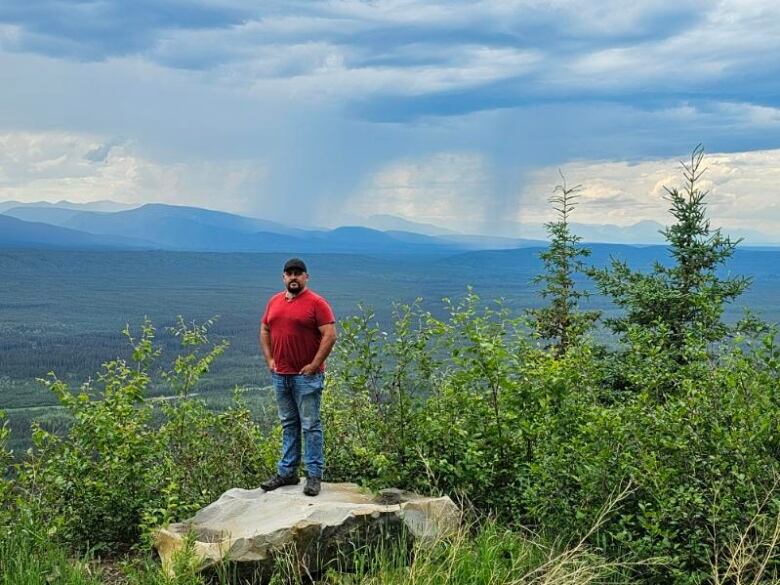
x: 294, y: 290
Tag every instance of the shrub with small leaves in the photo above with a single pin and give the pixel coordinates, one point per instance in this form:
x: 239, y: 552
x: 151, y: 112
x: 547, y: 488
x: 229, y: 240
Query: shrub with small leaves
x: 91, y: 485
x: 6, y: 484
x: 115, y: 473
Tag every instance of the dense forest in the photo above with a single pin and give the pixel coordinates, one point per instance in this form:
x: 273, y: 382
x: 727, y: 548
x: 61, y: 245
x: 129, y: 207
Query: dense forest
x: 650, y: 456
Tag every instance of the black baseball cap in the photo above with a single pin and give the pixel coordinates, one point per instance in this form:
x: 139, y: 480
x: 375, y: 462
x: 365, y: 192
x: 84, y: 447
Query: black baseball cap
x: 295, y: 264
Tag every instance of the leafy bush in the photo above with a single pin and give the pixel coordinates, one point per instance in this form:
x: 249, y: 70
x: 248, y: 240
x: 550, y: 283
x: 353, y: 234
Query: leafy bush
x: 203, y: 454
x: 543, y: 438
x: 114, y: 473
x: 6, y: 484
x: 371, y: 407
x: 92, y: 484
x: 698, y: 464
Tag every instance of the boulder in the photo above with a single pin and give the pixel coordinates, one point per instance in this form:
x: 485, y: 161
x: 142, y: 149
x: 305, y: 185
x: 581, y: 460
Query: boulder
x: 251, y: 527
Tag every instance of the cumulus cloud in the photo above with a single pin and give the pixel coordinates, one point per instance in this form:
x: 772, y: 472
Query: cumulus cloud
x: 743, y: 190
x: 52, y: 166
x: 444, y: 188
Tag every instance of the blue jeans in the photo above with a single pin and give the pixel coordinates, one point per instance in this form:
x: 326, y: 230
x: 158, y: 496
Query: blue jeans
x: 298, y: 400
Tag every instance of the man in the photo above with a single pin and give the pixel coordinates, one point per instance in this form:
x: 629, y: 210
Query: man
x: 297, y: 333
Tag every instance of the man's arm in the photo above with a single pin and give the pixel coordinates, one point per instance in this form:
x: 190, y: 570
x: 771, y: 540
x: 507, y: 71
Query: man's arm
x: 265, y: 345
x: 327, y: 341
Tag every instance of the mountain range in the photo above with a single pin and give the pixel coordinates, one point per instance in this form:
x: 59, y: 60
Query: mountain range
x: 154, y: 226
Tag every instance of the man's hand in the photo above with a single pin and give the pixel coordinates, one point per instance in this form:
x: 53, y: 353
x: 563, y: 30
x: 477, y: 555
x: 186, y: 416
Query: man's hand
x: 328, y: 332
x: 309, y: 369
x: 265, y: 345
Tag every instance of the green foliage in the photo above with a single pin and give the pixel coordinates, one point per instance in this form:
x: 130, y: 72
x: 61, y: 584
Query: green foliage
x: 183, y: 570
x: 6, y: 484
x: 28, y: 557
x: 370, y: 407
x: 684, y: 302
x: 92, y: 483
x: 699, y: 465
x: 469, y: 436
x: 191, y: 470
x: 115, y: 473
x: 561, y: 323
x: 485, y: 555
x: 543, y: 438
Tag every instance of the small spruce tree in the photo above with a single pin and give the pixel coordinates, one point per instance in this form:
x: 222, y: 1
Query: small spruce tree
x: 561, y: 323
x: 685, y: 300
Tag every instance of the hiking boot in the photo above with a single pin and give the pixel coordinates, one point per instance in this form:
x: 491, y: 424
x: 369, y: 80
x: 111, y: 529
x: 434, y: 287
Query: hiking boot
x: 278, y: 481
x: 312, y: 487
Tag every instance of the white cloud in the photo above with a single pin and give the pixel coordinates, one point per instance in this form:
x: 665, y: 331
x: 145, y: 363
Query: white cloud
x: 729, y: 38
x: 51, y: 166
x: 445, y: 188
x: 750, y: 114
x: 320, y: 69
x: 743, y: 187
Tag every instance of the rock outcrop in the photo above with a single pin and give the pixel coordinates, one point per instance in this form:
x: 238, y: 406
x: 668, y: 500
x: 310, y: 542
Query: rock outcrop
x: 251, y: 527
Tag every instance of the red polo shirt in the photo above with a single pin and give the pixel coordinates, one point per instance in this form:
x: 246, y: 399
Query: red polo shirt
x: 294, y: 324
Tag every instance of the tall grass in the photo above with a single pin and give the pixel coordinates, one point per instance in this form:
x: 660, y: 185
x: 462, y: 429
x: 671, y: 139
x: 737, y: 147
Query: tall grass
x: 480, y: 554
x: 753, y: 556
x: 491, y: 555
x: 27, y: 558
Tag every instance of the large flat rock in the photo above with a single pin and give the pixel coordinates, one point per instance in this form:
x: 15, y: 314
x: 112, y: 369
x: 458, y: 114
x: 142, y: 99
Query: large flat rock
x: 252, y: 526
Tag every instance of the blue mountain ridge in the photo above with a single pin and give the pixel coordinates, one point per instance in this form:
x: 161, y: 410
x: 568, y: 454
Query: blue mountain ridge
x: 15, y: 233
x: 186, y: 228
x: 169, y: 227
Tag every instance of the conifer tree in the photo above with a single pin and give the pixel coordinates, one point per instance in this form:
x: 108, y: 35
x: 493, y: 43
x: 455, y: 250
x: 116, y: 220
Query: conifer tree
x: 561, y: 323
x: 686, y: 299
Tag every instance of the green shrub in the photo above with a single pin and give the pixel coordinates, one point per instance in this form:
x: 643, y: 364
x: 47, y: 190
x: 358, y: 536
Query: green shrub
x: 92, y: 484
x: 204, y: 454
x: 6, y: 482
x: 376, y: 384
x: 115, y: 474
x: 545, y: 438
x: 698, y: 465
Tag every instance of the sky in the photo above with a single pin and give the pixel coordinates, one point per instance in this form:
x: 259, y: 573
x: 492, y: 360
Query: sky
x: 458, y: 113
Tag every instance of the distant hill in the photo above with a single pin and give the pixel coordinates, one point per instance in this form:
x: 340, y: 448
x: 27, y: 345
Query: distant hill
x: 58, y: 216
x: 15, y: 233
x: 386, y: 222
x: 140, y: 220
x: 168, y: 227
x: 642, y: 232
x: 104, y: 205
x: 403, y: 228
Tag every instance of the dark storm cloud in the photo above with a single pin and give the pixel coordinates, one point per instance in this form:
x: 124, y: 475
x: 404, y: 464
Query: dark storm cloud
x: 95, y: 30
